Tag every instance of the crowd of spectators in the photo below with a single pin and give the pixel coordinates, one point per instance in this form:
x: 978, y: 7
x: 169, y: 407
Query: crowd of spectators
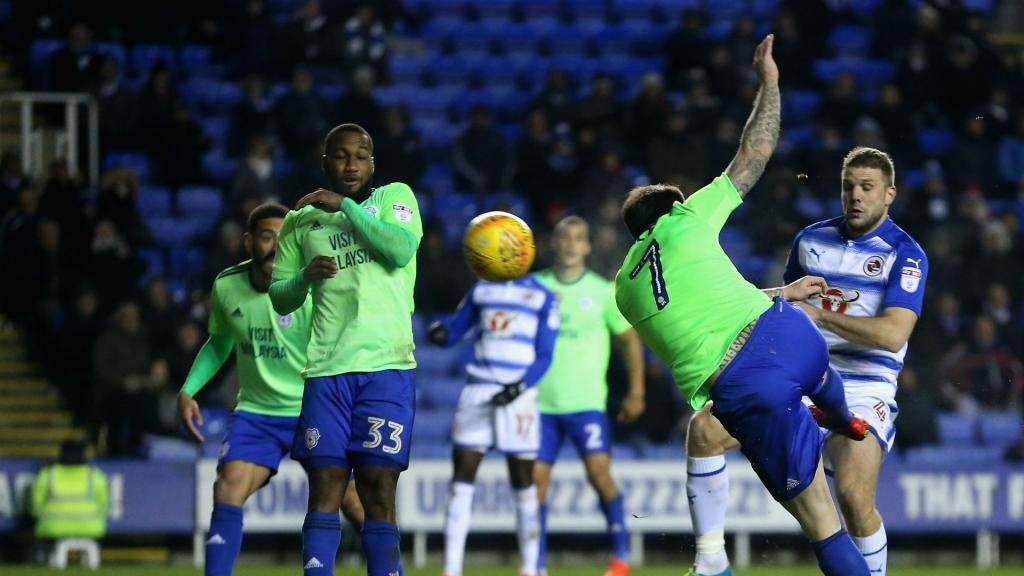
x: 118, y: 339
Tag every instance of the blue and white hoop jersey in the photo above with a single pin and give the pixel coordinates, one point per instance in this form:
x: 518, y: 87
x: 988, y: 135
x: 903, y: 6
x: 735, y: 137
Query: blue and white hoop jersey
x: 865, y: 275
x: 515, y: 325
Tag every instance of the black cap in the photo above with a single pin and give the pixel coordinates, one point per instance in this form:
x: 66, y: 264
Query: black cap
x: 72, y: 452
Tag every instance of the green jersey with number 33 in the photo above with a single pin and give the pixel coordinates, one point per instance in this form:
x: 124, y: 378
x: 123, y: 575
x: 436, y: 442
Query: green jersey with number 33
x: 683, y: 294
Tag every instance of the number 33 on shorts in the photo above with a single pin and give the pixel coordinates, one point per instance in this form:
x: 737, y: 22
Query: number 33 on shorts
x: 393, y: 443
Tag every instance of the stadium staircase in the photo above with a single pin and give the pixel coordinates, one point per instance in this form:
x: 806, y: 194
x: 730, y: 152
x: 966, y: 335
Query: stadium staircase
x: 33, y: 422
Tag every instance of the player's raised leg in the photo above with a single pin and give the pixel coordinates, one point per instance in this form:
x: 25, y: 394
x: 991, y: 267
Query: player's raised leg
x: 856, y: 466
x: 707, y: 490
x: 465, y: 463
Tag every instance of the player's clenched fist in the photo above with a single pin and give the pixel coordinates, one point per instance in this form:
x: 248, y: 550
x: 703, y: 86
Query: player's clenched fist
x: 804, y: 288
x: 319, y: 268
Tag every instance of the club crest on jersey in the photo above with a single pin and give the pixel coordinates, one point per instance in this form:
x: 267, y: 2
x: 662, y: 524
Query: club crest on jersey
x: 312, y: 438
x: 371, y: 210
x: 836, y: 300
x: 402, y: 212
x: 910, y: 278
x: 873, y: 265
x: 285, y: 321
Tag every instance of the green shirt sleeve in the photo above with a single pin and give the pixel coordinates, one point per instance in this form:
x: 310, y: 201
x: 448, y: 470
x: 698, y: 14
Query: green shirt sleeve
x: 713, y: 203
x: 208, y: 361
x: 396, y: 235
x: 613, y: 319
x: 288, y: 290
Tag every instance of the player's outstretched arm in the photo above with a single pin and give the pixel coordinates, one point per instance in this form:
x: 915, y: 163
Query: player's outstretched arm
x: 761, y: 132
x: 395, y: 245
x: 802, y: 289
x: 888, y: 331
x: 450, y: 330
x: 211, y: 357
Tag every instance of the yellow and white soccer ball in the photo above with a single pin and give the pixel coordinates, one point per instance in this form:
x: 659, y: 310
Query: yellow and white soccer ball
x: 498, y: 246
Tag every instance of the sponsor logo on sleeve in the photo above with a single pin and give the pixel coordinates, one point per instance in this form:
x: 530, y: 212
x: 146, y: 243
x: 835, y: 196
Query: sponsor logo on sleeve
x: 910, y: 278
x: 403, y: 213
x: 372, y: 210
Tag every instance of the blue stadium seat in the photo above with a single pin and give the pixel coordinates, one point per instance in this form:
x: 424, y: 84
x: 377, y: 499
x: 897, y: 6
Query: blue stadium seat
x: 863, y: 8
x: 587, y: 14
x: 436, y: 133
x: 434, y: 101
x: 187, y: 262
x: 867, y: 71
x: 145, y: 56
x: 407, y: 68
x: 616, y: 39
x: 202, y: 203
x: 634, y: 10
x: 169, y: 231
x: 935, y: 141
x: 394, y: 95
x: 195, y: 56
x: 154, y: 259
x: 216, y: 128
x: 330, y: 91
x: 218, y: 165
x: 137, y: 161
x: 210, y: 94
x: 438, y: 361
x: 114, y: 50
x: 432, y: 425
x: 850, y: 41
x: 545, y: 12
x: 956, y: 429
x: 154, y: 200
x: 472, y: 38
x: 42, y: 50
x: 765, y: 8
x: 983, y: 6
x: 518, y: 39
x: 800, y: 105
x: 442, y: 391
x: 437, y: 32
x: 754, y: 268
x: 735, y: 243
x: 447, y: 8
x: 1001, y: 428
x: 565, y: 40
x: 451, y: 71
x: 493, y: 11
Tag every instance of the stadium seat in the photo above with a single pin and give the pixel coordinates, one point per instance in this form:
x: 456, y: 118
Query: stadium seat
x: 564, y: 41
x: 633, y: 10
x: 800, y: 105
x: 218, y: 165
x: 216, y: 128
x: 202, y: 203
x: 169, y: 231
x: 586, y: 14
x: 330, y: 91
x: 472, y: 38
x: 454, y: 9
x: 138, y: 162
x: 42, y: 50
x: 983, y: 6
x: 492, y: 11
x: 437, y: 134
x: 1001, y: 428
x: 956, y: 429
x: 443, y: 391
x: 522, y: 39
x: 407, y: 68
x: 154, y: 259
x: 432, y: 425
x: 114, y: 50
x: 154, y: 200
x: 616, y: 39
x: 935, y: 141
x: 210, y: 94
x: 439, y: 361
x: 145, y: 56
x: 719, y: 30
x: 169, y: 449
x: 187, y: 263
x: 735, y: 243
x: 850, y: 41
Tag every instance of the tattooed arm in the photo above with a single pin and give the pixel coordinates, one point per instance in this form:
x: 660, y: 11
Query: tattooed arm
x: 761, y: 132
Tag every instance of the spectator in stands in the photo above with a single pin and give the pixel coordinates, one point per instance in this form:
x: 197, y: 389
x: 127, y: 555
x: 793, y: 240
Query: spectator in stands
x: 842, y: 105
x: 891, y: 112
x: 971, y: 74
x: 121, y: 358
x: 439, y: 285
x: 311, y: 40
x: 983, y: 371
x: 19, y: 231
x: 722, y: 147
x: 181, y: 156
x: 114, y: 269
x: 792, y: 53
x: 75, y: 67
x: 998, y: 306
x: 180, y: 353
x: 531, y: 156
x: 301, y: 115
x: 677, y: 151
x: 774, y: 218
x: 648, y: 113
x: 563, y: 174
x: 156, y: 109
x: 61, y: 201
x: 52, y: 275
x: 228, y: 250
x: 12, y: 180
x: 943, y: 326
x: 480, y: 155
x: 255, y: 176
x: 995, y: 262
x: 251, y: 116
x: 160, y: 315
x: 686, y: 48
x: 358, y: 105
x: 249, y: 40
x: 917, y: 75
x: 556, y: 98
x: 71, y: 360
x: 399, y: 153
x: 996, y: 112
x: 118, y: 203
x: 603, y: 180
x: 722, y: 71
x: 366, y: 41
x: 601, y: 111
x: 821, y: 159
x: 307, y: 175
x: 975, y: 157
x: 118, y: 108
x: 1011, y: 152
x: 918, y: 425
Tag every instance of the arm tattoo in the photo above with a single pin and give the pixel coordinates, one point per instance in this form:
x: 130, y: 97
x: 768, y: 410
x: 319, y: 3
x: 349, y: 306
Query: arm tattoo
x: 758, y: 140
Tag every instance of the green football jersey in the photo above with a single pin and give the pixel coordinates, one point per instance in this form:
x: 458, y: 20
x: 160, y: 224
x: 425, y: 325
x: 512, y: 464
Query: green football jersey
x: 270, y: 349
x: 577, y: 381
x: 362, y: 317
x: 681, y: 292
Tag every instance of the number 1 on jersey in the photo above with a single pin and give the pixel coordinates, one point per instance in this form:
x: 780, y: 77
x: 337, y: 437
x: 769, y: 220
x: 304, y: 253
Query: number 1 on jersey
x: 652, y: 257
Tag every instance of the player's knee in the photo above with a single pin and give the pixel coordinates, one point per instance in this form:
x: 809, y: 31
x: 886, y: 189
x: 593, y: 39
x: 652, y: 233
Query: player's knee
x: 857, y: 504
x: 705, y: 436
x: 231, y: 487
x: 377, y: 492
x: 327, y: 488
x: 600, y: 477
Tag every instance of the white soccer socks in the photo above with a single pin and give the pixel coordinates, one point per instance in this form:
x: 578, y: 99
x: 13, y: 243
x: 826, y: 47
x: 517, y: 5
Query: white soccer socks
x: 707, y: 488
x: 456, y: 526
x: 528, y: 528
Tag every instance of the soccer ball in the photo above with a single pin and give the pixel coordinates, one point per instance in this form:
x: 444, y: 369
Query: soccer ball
x: 498, y: 246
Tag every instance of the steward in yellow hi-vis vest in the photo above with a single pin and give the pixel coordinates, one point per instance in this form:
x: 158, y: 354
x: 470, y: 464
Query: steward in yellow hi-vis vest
x: 69, y: 498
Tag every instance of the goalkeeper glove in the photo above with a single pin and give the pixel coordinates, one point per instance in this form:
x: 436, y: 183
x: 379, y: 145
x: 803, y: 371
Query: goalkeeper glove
x: 509, y: 392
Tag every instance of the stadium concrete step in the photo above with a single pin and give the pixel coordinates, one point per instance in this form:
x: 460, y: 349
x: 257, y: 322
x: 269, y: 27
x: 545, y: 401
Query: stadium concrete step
x: 22, y: 385
x: 12, y: 352
x: 30, y: 450
x: 135, y: 555
x: 40, y: 434
x: 17, y: 368
x: 30, y: 401
x: 35, y: 417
